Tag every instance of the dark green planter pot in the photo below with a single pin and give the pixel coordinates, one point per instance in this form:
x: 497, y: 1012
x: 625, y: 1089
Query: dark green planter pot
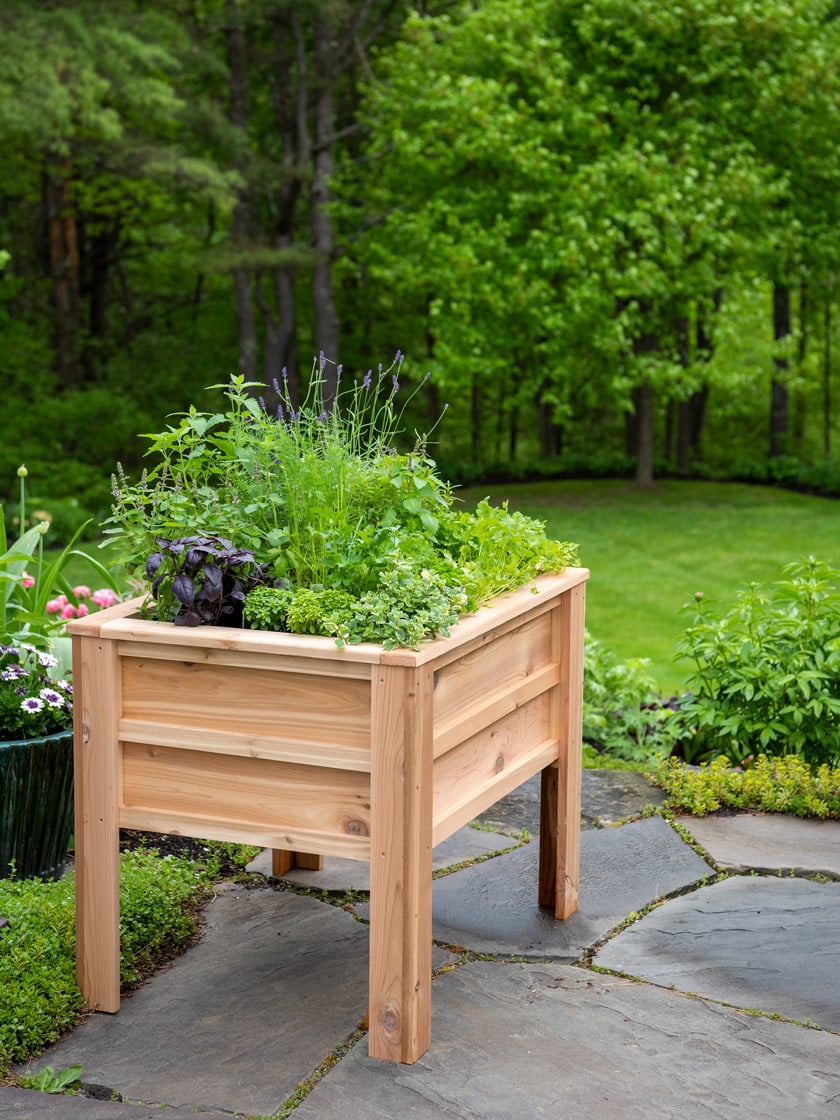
x: 36, y: 805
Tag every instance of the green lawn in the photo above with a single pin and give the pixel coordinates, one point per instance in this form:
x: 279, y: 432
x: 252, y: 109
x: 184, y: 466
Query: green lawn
x: 649, y: 551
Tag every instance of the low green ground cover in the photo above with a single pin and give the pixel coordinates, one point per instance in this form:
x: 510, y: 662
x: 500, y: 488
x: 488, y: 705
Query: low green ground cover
x: 39, y: 999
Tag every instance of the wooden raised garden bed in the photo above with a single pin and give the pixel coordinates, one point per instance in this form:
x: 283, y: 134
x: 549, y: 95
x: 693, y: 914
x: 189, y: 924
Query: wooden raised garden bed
x: 289, y: 742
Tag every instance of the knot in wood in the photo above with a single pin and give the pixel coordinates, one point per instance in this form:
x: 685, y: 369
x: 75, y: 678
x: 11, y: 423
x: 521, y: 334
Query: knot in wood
x: 356, y: 828
x: 390, y: 1021
x: 500, y: 763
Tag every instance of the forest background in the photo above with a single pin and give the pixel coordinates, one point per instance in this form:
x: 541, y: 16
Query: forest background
x: 610, y: 230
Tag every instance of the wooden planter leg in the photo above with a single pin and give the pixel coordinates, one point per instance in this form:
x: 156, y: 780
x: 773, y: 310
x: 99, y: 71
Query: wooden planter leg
x: 98, y: 779
x: 559, y: 874
x: 283, y: 860
x: 401, y: 864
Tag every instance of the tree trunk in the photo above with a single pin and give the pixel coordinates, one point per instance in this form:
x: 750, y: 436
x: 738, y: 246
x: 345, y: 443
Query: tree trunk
x: 826, y: 380
x: 475, y: 418
x: 644, y: 399
x: 779, y: 399
x: 326, y: 319
x: 798, y: 403
x: 241, y: 222
x: 64, y: 268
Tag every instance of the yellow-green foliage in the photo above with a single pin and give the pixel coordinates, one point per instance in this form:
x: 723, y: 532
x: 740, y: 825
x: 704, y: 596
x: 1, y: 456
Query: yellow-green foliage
x: 770, y: 785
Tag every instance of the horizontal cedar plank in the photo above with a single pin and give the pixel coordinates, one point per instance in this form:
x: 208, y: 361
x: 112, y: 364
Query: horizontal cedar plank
x: 497, y: 705
x: 294, y: 706
x: 253, y: 746
x: 478, y: 797
x: 254, y: 790
x: 228, y: 638
x: 262, y: 835
x: 245, y: 659
x: 483, y: 761
x: 492, y: 668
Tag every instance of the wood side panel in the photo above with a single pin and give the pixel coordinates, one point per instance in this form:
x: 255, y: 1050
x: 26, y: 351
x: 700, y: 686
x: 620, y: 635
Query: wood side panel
x: 96, y: 683
x: 263, y: 835
x: 245, y: 659
x: 251, y: 790
x: 486, y: 672
x: 280, y: 749
x: 496, y: 704
x: 257, y: 702
x: 401, y: 865
x: 477, y: 771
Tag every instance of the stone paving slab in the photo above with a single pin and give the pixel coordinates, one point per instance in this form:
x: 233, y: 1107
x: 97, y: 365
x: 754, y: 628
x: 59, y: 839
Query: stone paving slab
x: 769, y: 842
x: 754, y: 942
x: 349, y: 874
x: 607, y: 796
x: 24, y: 1104
x: 277, y: 981
x: 520, y: 1042
x: 492, y: 907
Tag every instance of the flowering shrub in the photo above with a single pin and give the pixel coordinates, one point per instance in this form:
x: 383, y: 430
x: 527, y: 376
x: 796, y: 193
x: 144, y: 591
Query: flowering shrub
x: 35, y: 596
x: 61, y: 605
x: 31, y: 703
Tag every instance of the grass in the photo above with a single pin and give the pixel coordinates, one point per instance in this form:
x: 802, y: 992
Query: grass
x: 649, y: 551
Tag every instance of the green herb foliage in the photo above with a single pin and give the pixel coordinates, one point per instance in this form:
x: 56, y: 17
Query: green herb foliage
x: 363, y: 542
x: 769, y: 785
x: 767, y: 672
x: 39, y: 1000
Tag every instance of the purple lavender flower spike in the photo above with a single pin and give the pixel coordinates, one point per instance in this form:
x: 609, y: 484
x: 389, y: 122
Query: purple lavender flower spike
x: 368, y: 378
x: 279, y: 412
x: 428, y: 375
x: 322, y: 358
x: 395, y: 383
x: 262, y: 404
x: 275, y: 385
x: 398, y: 357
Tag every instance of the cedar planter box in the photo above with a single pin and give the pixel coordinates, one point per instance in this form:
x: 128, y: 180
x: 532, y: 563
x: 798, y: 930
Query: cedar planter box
x: 289, y: 742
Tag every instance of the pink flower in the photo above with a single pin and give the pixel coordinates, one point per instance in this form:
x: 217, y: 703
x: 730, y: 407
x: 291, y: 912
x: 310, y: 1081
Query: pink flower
x: 82, y: 591
x: 68, y: 611
x: 56, y: 606
x: 82, y: 610
x: 27, y: 580
x: 104, y: 597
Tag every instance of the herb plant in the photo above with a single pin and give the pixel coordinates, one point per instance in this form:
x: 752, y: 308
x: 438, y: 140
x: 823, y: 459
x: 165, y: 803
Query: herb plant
x: 199, y: 580
x: 347, y: 535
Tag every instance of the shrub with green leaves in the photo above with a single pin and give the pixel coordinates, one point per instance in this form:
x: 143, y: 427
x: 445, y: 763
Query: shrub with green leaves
x: 623, y: 714
x: 768, y: 785
x: 39, y: 999
x: 766, y: 674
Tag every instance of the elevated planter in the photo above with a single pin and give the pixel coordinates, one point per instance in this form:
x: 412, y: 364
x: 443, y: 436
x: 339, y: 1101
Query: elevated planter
x: 289, y: 742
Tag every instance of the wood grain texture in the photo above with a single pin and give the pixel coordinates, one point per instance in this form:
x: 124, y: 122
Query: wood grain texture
x: 569, y: 714
x: 275, y: 795
x: 401, y: 865
x: 249, y: 702
x: 474, y: 775
x: 96, y: 685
